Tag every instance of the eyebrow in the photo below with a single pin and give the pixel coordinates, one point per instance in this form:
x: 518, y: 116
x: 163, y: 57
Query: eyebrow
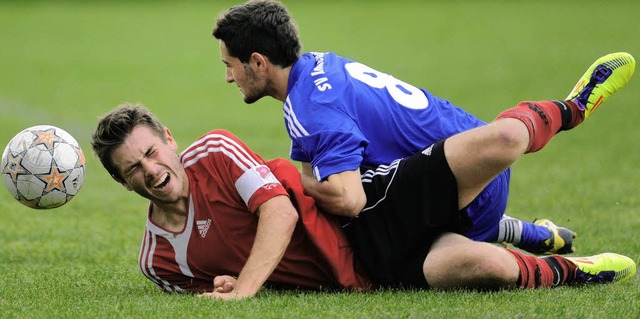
x: 146, y: 154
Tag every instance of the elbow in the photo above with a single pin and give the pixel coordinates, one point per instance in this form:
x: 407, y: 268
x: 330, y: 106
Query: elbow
x: 292, y: 218
x: 352, y: 213
x: 353, y: 209
x: 348, y: 206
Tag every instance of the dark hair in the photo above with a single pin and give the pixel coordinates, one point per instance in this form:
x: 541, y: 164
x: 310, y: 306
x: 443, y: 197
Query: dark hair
x: 261, y: 26
x: 114, y: 127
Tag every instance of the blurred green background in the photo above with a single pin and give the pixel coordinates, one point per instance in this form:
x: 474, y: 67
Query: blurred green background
x: 65, y: 63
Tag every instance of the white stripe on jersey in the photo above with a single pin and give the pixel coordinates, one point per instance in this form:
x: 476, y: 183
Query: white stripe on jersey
x: 293, y: 126
x: 179, y: 242
x: 146, y: 264
x: 142, y: 258
x: 178, y: 289
x: 212, y: 143
x: 367, y: 177
x: 165, y: 284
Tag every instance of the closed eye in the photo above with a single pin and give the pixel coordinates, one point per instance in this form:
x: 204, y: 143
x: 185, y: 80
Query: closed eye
x: 131, y: 169
x: 151, y: 152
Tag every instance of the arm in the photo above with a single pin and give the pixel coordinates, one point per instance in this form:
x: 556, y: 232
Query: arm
x: 277, y: 220
x: 340, y: 194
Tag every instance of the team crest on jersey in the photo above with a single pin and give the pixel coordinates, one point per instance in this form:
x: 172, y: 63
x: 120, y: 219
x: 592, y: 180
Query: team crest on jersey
x: 265, y: 174
x: 268, y: 179
x: 263, y: 171
x: 203, y: 226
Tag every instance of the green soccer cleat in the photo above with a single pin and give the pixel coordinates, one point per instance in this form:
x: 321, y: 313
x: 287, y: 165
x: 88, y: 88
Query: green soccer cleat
x: 560, y: 241
x: 603, y: 78
x: 605, y: 268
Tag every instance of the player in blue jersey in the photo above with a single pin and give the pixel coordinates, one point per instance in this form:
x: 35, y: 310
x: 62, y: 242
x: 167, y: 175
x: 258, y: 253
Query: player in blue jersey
x: 342, y: 115
x: 404, y: 218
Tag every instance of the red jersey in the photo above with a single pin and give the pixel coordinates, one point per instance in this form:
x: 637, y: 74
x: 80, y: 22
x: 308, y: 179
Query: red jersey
x: 228, y: 182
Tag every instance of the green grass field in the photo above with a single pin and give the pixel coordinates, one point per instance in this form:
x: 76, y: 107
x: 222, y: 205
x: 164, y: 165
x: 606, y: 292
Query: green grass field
x: 66, y: 63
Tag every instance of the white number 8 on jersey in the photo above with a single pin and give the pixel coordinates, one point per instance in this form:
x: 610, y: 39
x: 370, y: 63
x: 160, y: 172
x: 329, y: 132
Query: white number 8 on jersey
x: 403, y: 93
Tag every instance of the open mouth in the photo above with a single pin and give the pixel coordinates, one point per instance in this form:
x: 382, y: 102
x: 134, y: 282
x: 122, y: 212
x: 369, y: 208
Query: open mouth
x: 162, y: 182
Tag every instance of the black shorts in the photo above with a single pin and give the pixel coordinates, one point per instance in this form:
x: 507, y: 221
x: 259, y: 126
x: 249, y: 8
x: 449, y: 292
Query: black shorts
x: 409, y: 204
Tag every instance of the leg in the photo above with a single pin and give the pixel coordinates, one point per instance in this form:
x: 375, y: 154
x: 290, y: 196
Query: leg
x: 478, y: 155
x: 455, y: 261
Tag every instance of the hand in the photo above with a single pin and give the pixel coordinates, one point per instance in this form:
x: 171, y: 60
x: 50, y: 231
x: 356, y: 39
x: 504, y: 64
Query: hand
x: 224, y: 289
x: 278, y: 219
x: 224, y: 283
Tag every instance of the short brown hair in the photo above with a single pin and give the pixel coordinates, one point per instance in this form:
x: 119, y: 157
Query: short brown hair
x: 114, y: 127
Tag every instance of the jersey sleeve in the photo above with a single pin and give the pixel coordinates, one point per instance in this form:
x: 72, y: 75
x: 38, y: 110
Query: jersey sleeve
x: 319, y: 118
x: 242, y: 171
x: 331, y: 143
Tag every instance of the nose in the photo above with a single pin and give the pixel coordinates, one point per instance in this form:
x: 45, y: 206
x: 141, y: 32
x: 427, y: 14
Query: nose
x: 147, y: 167
x: 150, y: 171
x: 228, y: 76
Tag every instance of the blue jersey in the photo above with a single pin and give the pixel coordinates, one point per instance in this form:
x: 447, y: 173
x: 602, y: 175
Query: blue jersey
x: 341, y: 114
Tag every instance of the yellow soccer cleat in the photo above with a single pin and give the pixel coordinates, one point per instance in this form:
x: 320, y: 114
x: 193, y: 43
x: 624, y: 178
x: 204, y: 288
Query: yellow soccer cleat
x: 560, y: 241
x: 605, y: 268
x: 603, y: 78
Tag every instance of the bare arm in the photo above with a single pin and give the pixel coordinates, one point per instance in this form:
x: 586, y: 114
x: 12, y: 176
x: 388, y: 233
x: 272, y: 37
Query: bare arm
x: 340, y: 194
x: 276, y: 223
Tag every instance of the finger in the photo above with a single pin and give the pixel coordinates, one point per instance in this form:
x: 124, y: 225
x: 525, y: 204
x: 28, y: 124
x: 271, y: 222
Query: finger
x: 218, y: 281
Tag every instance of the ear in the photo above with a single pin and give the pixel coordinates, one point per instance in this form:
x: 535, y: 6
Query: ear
x: 258, y: 61
x: 170, y: 140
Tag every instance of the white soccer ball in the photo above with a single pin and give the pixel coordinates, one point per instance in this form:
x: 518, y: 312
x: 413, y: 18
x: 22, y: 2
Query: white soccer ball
x: 43, y: 167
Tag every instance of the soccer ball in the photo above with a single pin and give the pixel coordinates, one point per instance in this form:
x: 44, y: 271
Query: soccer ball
x: 43, y: 167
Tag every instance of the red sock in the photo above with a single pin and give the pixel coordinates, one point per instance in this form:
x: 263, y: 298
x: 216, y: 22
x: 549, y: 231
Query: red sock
x: 548, y: 271
x: 544, y: 119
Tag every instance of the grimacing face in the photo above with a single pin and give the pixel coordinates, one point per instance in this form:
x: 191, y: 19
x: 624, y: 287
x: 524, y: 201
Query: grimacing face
x: 250, y: 84
x: 150, y: 166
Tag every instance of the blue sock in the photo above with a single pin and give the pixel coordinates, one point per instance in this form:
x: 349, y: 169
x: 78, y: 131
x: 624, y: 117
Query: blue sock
x: 533, y: 236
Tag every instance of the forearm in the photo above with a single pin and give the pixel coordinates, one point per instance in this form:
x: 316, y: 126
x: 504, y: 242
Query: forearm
x: 341, y: 194
x: 275, y: 228
x: 329, y: 199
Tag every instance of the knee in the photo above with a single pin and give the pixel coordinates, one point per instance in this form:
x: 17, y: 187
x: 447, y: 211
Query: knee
x: 483, y: 268
x: 511, y: 137
x: 494, y: 272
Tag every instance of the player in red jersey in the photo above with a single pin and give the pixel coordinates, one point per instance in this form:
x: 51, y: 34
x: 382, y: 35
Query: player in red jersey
x: 218, y: 211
